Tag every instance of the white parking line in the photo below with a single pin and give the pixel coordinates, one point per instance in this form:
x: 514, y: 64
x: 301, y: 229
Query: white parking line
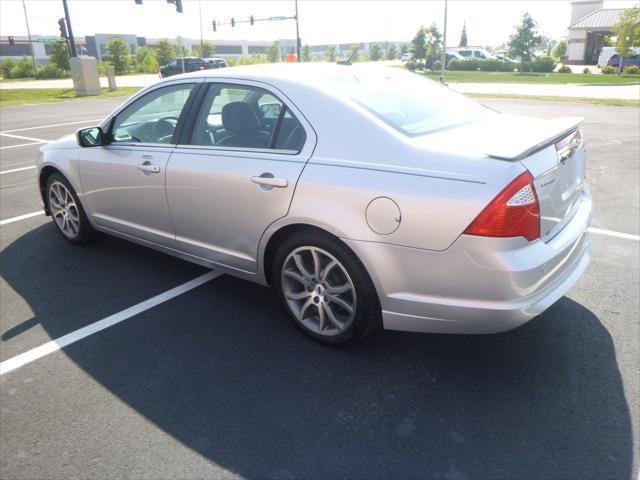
x: 24, y: 145
x: 31, y: 139
x: 59, y: 343
x: 51, y: 126
x: 611, y: 233
x: 21, y: 217
x: 17, y: 169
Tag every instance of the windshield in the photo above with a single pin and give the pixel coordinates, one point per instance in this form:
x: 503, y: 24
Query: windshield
x: 413, y: 104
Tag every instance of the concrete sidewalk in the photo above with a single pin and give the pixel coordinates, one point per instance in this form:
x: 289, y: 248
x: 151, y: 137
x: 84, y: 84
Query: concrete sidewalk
x: 626, y: 92
x: 629, y: 92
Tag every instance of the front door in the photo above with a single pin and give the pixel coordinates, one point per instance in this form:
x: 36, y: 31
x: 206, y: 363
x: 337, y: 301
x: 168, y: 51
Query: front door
x: 235, y: 173
x: 124, y: 181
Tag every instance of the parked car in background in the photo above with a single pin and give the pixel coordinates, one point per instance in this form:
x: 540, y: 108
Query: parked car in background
x: 257, y: 172
x: 452, y: 56
x: 191, y: 64
x: 471, y: 52
x: 406, y: 57
x: 608, y: 56
x: 217, y: 62
x: 504, y: 58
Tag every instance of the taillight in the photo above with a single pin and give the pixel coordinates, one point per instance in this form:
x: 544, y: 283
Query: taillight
x: 514, y: 212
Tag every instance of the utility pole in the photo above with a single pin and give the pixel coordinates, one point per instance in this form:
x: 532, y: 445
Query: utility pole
x: 444, y: 45
x: 201, y: 40
x: 72, y: 42
x: 33, y: 55
x: 297, y: 33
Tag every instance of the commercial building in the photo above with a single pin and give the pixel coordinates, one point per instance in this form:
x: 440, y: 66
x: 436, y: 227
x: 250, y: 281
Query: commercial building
x: 589, y: 25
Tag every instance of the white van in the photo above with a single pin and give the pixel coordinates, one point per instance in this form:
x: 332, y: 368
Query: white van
x: 607, y: 52
x: 472, y: 53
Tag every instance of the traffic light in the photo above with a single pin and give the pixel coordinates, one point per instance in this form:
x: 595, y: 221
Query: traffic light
x: 138, y: 2
x: 233, y: 22
x: 251, y: 20
x: 62, y: 25
x: 178, y: 4
x: 214, y: 26
x: 11, y: 40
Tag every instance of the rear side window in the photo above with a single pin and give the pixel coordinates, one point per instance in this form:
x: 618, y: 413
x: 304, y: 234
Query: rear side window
x: 242, y: 116
x: 415, y: 105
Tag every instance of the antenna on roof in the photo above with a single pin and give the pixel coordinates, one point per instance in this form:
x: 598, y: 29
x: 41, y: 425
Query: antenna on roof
x: 348, y: 60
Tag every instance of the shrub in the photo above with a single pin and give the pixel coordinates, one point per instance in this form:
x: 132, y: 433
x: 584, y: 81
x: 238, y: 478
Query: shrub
x: 464, y: 65
x: 608, y: 69
x: 23, y: 68
x: 6, y: 66
x: 586, y: 70
x: 411, y: 65
x: 53, y: 71
x: 565, y: 69
x: 631, y: 70
x: 436, y: 66
x: 543, y: 64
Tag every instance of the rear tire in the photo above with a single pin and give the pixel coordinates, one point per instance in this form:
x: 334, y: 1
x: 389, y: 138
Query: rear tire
x: 325, y: 288
x: 66, y: 211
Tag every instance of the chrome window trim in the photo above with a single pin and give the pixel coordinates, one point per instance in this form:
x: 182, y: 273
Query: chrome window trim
x: 240, y: 149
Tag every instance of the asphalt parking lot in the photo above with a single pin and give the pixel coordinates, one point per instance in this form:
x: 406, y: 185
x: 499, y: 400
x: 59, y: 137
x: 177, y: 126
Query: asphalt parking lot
x: 215, y: 382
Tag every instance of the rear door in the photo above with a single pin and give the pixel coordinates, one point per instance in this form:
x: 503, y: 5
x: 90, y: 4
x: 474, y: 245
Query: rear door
x: 235, y: 171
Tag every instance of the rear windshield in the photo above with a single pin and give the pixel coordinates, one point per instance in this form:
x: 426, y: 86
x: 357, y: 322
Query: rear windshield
x: 413, y: 104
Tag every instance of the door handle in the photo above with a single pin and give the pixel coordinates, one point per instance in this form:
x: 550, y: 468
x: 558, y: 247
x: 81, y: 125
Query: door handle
x: 271, y: 181
x: 147, y: 168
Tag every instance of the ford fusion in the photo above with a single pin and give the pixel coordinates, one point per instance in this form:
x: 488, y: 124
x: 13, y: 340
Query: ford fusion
x: 364, y: 196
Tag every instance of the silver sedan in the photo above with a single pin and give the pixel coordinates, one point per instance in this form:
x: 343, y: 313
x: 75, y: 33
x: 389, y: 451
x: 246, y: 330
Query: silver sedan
x: 365, y: 197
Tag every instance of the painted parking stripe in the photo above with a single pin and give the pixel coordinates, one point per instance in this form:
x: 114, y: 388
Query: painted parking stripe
x: 22, y: 137
x: 13, y: 170
x: 611, y: 233
x: 24, y: 145
x: 77, y: 335
x: 51, y: 125
x: 21, y: 217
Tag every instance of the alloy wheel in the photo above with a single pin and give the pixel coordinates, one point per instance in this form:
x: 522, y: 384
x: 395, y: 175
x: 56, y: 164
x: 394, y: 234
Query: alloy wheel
x: 64, y: 210
x: 319, y: 291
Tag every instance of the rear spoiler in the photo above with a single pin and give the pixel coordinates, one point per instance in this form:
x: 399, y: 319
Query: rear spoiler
x: 539, y: 137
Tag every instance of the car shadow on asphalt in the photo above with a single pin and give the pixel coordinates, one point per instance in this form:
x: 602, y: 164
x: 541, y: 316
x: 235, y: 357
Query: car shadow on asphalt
x: 223, y: 371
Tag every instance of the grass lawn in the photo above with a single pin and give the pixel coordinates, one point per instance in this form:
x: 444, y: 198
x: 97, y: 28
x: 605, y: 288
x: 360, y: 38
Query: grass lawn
x: 513, y: 77
x: 22, y: 96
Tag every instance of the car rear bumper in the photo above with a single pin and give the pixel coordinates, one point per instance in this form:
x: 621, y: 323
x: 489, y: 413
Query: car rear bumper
x: 479, y: 284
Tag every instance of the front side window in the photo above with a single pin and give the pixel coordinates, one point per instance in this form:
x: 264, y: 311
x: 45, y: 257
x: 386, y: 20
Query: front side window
x: 152, y: 118
x: 242, y: 116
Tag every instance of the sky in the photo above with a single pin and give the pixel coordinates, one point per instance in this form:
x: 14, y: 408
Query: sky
x: 488, y: 22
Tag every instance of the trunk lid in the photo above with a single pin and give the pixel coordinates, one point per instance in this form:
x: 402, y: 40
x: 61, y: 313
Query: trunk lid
x: 549, y: 149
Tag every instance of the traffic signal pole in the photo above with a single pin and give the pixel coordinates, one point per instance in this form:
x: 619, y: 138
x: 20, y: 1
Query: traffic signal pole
x: 72, y: 42
x: 297, y: 33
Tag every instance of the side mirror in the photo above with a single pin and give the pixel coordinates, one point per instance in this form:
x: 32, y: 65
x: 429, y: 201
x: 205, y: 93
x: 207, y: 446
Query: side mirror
x: 90, y: 137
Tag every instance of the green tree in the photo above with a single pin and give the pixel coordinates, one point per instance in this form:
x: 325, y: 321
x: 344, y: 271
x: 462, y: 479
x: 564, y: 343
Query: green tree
x: 463, y: 35
x: 375, y: 52
x: 392, y: 52
x: 149, y: 64
x: 165, y: 52
x: 118, y: 55
x: 627, y: 29
x: 433, y: 43
x: 404, y: 48
x: 306, y: 53
x: 523, y: 41
x: 59, y: 55
x: 140, y: 55
x: 207, y: 50
x: 330, y: 53
x: 418, y: 50
x: 273, y: 52
x: 561, y: 50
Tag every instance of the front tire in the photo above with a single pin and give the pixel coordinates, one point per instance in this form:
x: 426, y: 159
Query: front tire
x: 325, y: 288
x: 66, y: 211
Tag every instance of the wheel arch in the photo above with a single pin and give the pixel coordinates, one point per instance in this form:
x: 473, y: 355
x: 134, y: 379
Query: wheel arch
x: 45, y: 173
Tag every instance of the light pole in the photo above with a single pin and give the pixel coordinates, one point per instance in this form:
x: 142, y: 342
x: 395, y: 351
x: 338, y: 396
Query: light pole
x: 297, y: 34
x: 201, y: 40
x: 33, y: 55
x: 444, y: 45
